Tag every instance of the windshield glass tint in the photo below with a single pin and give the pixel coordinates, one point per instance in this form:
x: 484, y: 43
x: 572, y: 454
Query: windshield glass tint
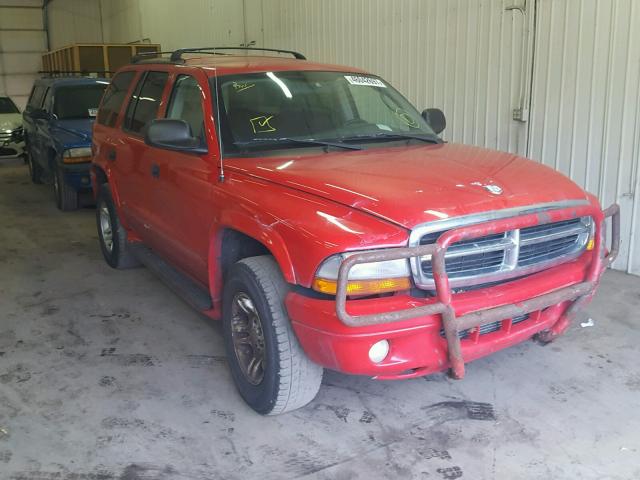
x: 78, y: 101
x: 334, y: 106
x: 7, y: 106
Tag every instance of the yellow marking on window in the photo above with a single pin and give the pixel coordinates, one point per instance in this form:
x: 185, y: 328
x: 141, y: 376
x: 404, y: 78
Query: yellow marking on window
x: 241, y: 87
x: 406, y: 118
x: 261, y: 124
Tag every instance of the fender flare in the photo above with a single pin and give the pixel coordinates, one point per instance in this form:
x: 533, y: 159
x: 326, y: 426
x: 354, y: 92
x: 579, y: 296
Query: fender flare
x: 252, y: 227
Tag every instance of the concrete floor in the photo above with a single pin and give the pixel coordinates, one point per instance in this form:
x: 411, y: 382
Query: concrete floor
x: 106, y: 375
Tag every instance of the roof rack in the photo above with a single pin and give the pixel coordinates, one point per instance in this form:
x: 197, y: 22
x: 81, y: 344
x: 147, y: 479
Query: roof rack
x: 72, y: 73
x: 150, y: 57
x: 177, y: 55
x: 154, y: 57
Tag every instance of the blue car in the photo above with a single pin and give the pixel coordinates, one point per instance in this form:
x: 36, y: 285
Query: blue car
x: 57, y: 126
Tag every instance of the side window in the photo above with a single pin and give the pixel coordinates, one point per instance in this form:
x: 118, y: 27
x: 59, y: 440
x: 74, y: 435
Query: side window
x: 35, y: 100
x: 186, y: 104
x: 46, y: 103
x: 114, y: 98
x: 144, y: 105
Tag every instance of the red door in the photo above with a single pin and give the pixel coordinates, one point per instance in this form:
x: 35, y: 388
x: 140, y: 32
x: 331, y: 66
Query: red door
x: 183, y: 189
x: 133, y: 160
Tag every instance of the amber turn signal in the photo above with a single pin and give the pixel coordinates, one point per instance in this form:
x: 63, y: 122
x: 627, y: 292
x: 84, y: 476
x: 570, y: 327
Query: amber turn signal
x: 363, y: 287
x: 68, y: 160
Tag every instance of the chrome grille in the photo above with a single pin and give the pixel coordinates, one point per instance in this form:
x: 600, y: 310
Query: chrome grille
x: 461, y: 259
x: 508, y: 255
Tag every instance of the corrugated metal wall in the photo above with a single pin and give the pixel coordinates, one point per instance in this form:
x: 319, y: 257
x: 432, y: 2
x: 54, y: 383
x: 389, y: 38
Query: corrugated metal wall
x: 74, y: 21
x: 475, y: 60
x: 585, y: 118
x: 22, y: 41
x: 173, y: 24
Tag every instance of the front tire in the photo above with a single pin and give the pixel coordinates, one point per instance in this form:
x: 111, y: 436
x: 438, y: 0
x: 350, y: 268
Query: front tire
x: 269, y: 367
x: 66, y: 196
x: 112, y: 235
x: 35, y: 171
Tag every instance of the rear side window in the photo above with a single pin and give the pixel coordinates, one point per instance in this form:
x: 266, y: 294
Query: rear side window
x: 114, y: 98
x: 145, y: 103
x: 186, y: 104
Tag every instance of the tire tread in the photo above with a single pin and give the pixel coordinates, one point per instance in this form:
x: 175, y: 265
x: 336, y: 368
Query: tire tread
x: 124, y: 258
x: 299, y: 377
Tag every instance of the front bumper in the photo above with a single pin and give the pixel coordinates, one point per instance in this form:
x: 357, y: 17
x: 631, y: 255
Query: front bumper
x: 77, y: 176
x: 338, y: 334
x: 11, y: 146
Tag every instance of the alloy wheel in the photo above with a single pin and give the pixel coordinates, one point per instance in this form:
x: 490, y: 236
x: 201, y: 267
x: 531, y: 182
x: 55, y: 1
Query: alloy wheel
x: 56, y: 185
x: 248, y: 338
x: 106, y: 230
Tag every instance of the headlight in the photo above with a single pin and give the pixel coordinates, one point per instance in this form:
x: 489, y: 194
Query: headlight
x: 588, y: 222
x: 17, y: 135
x: 77, y: 155
x: 364, y: 278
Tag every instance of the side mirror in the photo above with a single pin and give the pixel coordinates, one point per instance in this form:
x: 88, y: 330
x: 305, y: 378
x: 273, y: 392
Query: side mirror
x: 172, y: 134
x: 436, y: 119
x: 39, y: 114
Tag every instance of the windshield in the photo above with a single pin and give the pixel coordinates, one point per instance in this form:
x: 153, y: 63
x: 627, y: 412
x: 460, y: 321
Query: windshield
x: 7, y: 105
x: 78, y: 101
x: 276, y: 109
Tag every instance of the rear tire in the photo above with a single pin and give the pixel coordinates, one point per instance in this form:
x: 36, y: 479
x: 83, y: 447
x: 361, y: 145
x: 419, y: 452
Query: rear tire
x: 66, y: 196
x: 112, y: 235
x: 286, y: 379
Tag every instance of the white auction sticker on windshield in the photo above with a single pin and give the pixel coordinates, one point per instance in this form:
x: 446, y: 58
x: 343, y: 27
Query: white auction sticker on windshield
x: 365, y: 81
x: 93, y: 112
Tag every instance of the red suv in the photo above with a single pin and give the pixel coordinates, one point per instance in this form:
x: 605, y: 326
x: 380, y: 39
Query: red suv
x: 320, y: 216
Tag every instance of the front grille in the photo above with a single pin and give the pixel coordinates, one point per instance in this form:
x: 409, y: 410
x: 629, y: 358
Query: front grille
x: 499, y: 257
x: 7, y: 152
x: 469, y: 264
x: 489, y: 327
x: 14, y: 136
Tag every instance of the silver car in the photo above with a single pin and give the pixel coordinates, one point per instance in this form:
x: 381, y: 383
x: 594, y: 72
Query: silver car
x: 11, y: 132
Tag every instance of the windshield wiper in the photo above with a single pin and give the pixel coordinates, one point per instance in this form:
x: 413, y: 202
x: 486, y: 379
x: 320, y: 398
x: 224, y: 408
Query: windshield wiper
x: 392, y: 136
x: 299, y: 141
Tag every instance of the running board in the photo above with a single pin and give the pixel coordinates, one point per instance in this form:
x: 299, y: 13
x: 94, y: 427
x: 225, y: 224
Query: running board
x: 181, y: 284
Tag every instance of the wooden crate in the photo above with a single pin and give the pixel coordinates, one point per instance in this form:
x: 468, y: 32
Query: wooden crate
x: 97, y: 59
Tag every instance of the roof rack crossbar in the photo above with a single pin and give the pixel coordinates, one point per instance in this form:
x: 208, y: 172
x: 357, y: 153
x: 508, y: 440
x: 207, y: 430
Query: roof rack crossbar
x: 177, y: 55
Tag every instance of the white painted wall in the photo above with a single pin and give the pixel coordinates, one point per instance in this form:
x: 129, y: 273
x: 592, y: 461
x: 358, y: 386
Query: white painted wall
x: 173, y: 24
x: 22, y: 41
x: 586, y: 104
x: 74, y: 21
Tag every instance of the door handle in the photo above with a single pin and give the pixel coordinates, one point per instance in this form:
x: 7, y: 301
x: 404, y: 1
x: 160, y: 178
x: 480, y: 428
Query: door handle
x: 111, y: 155
x: 155, y: 171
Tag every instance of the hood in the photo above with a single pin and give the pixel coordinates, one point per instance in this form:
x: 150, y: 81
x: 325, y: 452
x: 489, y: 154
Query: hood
x: 73, y: 132
x: 10, y: 121
x: 414, y: 185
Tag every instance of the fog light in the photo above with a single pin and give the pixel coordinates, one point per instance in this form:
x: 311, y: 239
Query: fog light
x: 379, y: 351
